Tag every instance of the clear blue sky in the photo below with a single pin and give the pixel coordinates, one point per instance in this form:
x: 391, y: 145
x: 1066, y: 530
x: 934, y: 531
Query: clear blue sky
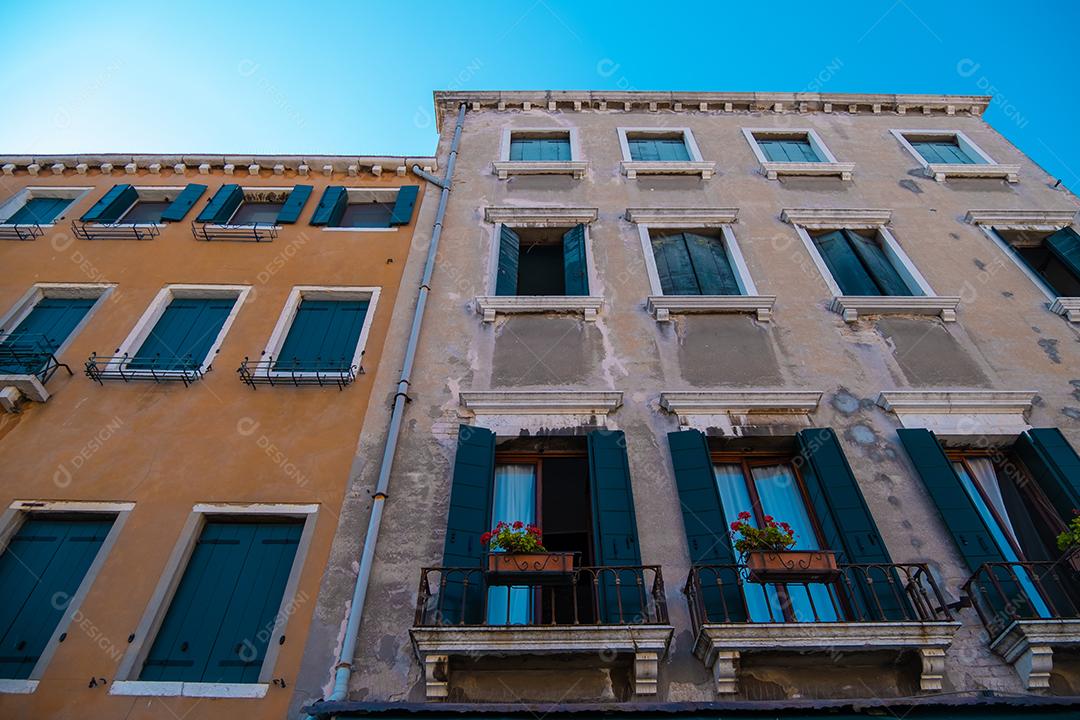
x: 357, y: 77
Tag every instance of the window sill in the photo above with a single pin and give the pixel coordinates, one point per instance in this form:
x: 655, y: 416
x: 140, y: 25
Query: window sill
x: 360, y: 229
x: 506, y: 168
x: 633, y: 168
x: 489, y: 305
x: 943, y: 171
x: 775, y: 170
x: 851, y: 307
x: 1029, y: 646
x: 18, y: 687
x: 143, y: 688
x: 1067, y: 307
x: 662, y: 306
x: 30, y: 386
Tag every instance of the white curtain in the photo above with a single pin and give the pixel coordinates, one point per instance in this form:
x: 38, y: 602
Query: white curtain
x: 514, y: 499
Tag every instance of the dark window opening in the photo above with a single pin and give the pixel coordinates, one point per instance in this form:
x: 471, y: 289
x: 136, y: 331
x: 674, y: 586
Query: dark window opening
x: 250, y: 213
x: 542, y: 261
x: 366, y: 215
x: 1054, y: 257
x: 145, y: 211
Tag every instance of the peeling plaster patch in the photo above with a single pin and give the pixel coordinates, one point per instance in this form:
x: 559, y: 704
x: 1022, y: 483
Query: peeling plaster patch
x: 954, y: 236
x: 894, y: 501
x: 916, y: 542
x: 844, y: 402
x: 1071, y: 412
x: 862, y: 434
x: 910, y: 185
x: 611, y: 363
x: 1006, y: 293
x: 1050, y: 347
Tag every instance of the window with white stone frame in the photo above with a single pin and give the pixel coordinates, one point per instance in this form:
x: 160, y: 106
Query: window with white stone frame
x: 540, y: 151
x: 945, y: 154
x: 786, y: 151
x: 24, y: 214
x: 661, y: 151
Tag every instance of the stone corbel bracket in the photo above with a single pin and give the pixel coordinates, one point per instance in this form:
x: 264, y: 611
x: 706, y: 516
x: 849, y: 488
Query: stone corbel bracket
x: 711, y: 408
x: 1028, y: 645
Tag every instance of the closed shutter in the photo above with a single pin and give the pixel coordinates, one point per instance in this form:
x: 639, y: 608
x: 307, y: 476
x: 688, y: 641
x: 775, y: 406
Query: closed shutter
x: 323, y: 336
x: 878, y: 265
x: 403, y: 205
x: 294, y: 205
x: 187, y: 198
x: 182, y: 337
x: 574, y: 265
x: 615, y: 537
x: 112, y: 205
x: 49, y: 323
x: 506, y: 281
x: 40, y: 570
x: 703, y: 522
x: 462, y: 598
x: 844, y: 266
x: 220, y: 619
x: 554, y: 149
x: 331, y: 207
x: 849, y: 528
x: 942, y: 152
x: 222, y: 206
x: 673, y: 266
x: 523, y: 150
x: 1055, y: 466
x: 643, y: 150
x: 38, y: 211
x: 1065, y: 245
x: 788, y: 151
x: 711, y: 265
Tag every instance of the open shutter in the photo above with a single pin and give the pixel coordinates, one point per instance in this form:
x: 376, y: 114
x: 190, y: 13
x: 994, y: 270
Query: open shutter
x: 848, y: 526
x: 507, y: 278
x: 705, y: 527
x: 711, y: 265
x: 845, y: 267
x: 403, y: 205
x: 109, y: 208
x: 1065, y: 245
x: 222, y: 206
x: 574, y: 265
x: 331, y: 206
x: 290, y: 211
x: 462, y: 598
x: 179, y: 207
x: 1055, y: 466
x: 878, y: 264
x: 614, y: 527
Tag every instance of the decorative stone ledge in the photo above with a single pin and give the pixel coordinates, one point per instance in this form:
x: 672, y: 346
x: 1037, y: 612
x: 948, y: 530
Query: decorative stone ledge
x: 506, y: 168
x: 18, y: 687
x: 776, y: 170
x: 960, y: 412
x: 662, y: 306
x: 717, y: 402
x: 540, y: 216
x: 145, y: 688
x: 831, y: 219
x: 490, y: 305
x: 435, y: 646
x: 633, y: 168
x: 943, y: 171
x: 851, y: 307
x: 720, y: 647
x: 1041, y: 220
x: 682, y: 217
x: 541, y: 402
x: 1028, y: 645
x: 105, y: 163
x: 1067, y: 307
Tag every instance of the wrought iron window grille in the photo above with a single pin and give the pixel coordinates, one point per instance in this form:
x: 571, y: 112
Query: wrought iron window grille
x: 255, y: 232
x: 114, y: 231
x: 158, y: 369
x: 268, y: 371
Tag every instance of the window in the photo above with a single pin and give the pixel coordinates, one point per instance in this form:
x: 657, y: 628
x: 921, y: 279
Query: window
x: 661, y: 151
x: 29, y: 345
x: 42, y: 570
x: 254, y: 206
x: 860, y: 264
x: 651, y: 149
x: 215, y: 630
x: 39, y: 205
x: 129, y: 205
x: 945, y: 153
x: 1054, y: 257
x: 689, y: 263
x: 542, y: 261
x: 365, y: 208
x: 38, y: 211
x: 539, y: 151
x: 794, y: 152
x: 525, y: 148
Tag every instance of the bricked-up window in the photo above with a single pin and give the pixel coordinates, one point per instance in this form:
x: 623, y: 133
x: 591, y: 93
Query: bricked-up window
x: 860, y: 263
x: 1054, y: 257
x: 542, y: 261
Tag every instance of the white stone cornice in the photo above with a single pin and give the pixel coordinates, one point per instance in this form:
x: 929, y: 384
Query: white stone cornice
x: 633, y: 168
x: 682, y: 217
x: 540, y: 216
x: 1045, y: 220
x: 491, y: 305
x: 775, y: 170
x: 961, y: 413
x: 541, y: 402
x: 741, y: 402
x: 943, y: 171
x: 833, y: 218
x: 505, y: 168
x: 131, y: 163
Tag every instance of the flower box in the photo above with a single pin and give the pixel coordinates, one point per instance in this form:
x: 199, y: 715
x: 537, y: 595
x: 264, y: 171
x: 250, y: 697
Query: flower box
x: 539, y: 568
x: 792, y: 566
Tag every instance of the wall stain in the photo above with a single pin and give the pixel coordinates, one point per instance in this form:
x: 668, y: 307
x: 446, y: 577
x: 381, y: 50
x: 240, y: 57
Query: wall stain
x: 844, y: 402
x: 1071, y: 412
x: 910, y: 185
x: 979, y: 264
x: 1006, y: 293
x: 1076, y: 388
x: 1050, y: 347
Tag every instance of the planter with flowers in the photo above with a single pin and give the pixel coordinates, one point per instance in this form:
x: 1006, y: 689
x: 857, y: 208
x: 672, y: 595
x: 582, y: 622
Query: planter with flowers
x: 516, y: 556
x: 1069, y: 542
x: 768, y: 556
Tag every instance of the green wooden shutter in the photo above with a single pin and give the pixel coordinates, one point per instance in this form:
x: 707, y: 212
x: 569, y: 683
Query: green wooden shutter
x: 39, y: 211
x: 704, y: 524
x: 1055, y: 466
x: 217, y: 625
x: 403, y: 205
x: 506, y: 281
x: 672, y: 150
x: 322, y: 336
x: 848, y: 526
x: 470, y: 514
x: 43, y: 331
x: 109, y: 208
x: 222, y: 205
x: 574, y: 266
x: 187, y: 198
x: 712, y: 267
x: 643, y: 150
x: 845, y: 267
x: 1065, y: 245
x: 517, y: 149
x: 877, y: 264
x: 673, y: 266
x: 331, y: 206
x: 294, y: 205
x: 182, y: 337
x: 615, y: 538
x: 40, y: 570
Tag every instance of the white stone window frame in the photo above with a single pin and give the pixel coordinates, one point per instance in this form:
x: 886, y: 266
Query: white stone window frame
x: 145, y: 193
x: 126, y: 681
x: 367, y: 194
x: 29, y: 385
x: 11, y: 520
x: 940, y: 172
x: 1043, y: 221
x: 576, y: 166
x: 156, y: 309
x: 695, y: 166
x: 16, y: 202
x: 851, y: 307
x: 828, y: 165
x: 320, y: 292
x: 538, y: 217
x: 661, y: 306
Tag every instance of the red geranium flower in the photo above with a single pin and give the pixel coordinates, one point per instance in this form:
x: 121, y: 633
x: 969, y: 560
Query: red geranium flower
x: 485, y: 538
x: 744, y: 515
x: 768, y: 518
x: 735, y: 526
x: 518, y: 524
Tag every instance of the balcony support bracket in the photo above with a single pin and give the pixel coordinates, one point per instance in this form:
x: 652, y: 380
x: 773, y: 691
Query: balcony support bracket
x: 1029, y: 646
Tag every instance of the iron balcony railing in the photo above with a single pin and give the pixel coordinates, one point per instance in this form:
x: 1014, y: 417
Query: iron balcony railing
x: 158, y: 369
x: 20, y: 231
x: 1003, y: 592
x: 614, y: 595
x: 255, y: 232
x: 268, y: 371
x: 114, y: 231
x: 30, y: 354
x: 894, y: 592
